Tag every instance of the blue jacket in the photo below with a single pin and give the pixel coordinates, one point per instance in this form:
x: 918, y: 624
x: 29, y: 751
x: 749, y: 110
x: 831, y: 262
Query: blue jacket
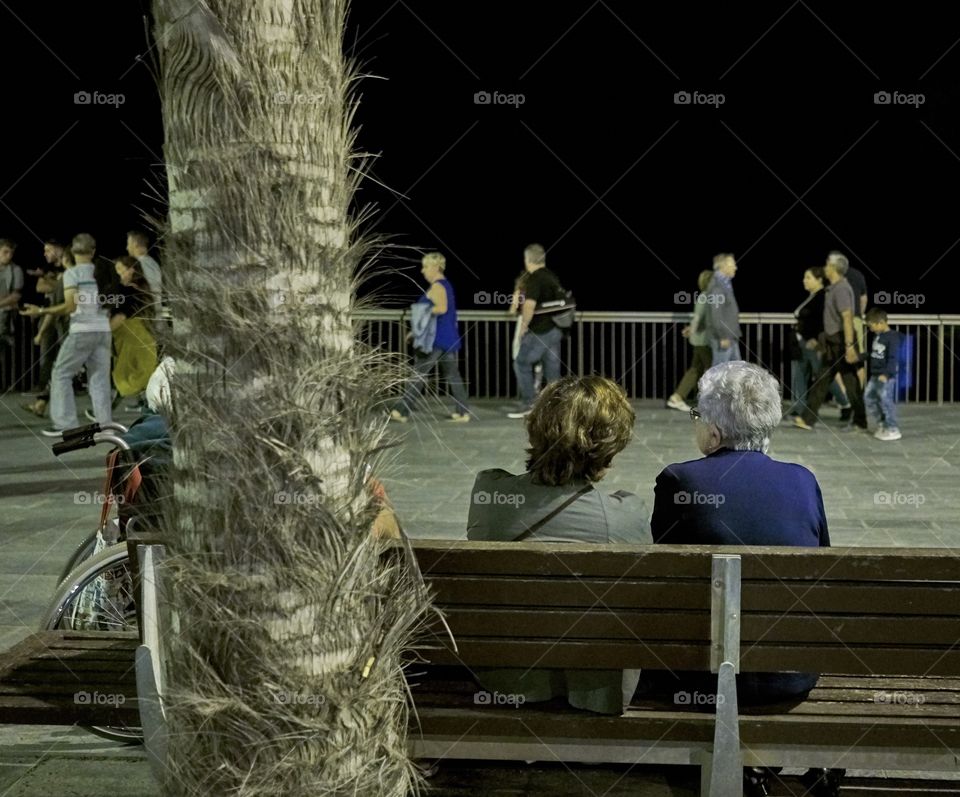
x: 738, y: 498
x: 423, y: 324
x: 884, y: 354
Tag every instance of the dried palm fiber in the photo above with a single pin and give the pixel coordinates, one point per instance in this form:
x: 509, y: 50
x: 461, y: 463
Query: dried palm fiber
x: 284, y: 663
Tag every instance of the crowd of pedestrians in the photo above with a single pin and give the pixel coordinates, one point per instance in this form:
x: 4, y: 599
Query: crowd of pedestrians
x: 96, y: 324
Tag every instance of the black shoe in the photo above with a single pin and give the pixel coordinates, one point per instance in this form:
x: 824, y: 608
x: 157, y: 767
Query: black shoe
x: 823, y: 782
x: 845, y: 413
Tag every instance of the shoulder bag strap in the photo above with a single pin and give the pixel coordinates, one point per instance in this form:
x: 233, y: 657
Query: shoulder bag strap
x: 531, y: 529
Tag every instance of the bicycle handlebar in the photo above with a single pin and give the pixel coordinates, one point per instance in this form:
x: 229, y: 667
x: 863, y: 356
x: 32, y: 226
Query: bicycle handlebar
x: 75, y: 443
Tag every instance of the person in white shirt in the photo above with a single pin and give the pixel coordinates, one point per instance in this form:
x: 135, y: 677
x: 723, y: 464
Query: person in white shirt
x: 86, y: 344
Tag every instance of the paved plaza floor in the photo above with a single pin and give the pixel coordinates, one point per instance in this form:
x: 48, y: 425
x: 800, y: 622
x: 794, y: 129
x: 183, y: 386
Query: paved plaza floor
x: 897, y: 494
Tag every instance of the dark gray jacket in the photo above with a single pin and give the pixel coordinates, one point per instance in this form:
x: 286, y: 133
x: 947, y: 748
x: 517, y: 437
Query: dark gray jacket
x: 722, y: 319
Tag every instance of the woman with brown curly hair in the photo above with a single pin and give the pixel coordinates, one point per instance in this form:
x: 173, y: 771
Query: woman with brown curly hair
x: 576, y: 428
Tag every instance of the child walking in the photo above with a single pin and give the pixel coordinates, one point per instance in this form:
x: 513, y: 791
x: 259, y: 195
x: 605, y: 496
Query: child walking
x: 880, y: 395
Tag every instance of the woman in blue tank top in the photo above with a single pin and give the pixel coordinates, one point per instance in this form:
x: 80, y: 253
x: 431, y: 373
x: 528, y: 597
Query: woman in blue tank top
x: 436, y: 341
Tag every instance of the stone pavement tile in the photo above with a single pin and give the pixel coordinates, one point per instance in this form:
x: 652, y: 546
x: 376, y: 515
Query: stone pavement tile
x: 24, y: 598
x: 76, y: 777
x: 10, y: 635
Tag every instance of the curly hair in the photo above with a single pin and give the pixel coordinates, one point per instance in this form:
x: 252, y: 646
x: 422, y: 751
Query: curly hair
x: 576, y: 428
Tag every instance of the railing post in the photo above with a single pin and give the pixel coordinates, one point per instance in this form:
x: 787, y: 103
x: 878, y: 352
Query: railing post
x: 941, y: 364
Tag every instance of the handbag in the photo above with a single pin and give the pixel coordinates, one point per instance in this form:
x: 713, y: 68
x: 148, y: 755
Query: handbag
x: 562, y: 311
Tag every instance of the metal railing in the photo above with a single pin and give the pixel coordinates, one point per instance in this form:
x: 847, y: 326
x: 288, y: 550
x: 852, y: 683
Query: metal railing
x: 646, y: 353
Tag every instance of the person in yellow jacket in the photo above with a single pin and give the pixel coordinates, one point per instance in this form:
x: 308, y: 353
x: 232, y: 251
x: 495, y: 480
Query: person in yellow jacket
x: 134, y: 346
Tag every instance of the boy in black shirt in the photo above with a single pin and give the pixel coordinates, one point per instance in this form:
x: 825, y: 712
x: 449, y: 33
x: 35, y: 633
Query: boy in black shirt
x: 880, y: 395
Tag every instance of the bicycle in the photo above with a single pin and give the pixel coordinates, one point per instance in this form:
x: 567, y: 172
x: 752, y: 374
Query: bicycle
x: 97, y: 592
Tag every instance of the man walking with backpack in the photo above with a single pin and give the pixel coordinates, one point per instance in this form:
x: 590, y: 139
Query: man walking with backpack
x: 539, y: 336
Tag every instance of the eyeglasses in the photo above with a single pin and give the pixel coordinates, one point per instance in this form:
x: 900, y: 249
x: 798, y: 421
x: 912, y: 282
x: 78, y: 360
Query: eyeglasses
x: 694, y: 414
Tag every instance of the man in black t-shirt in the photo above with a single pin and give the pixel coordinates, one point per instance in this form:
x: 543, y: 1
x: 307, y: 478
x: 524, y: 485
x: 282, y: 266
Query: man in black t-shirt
x: 540, y: 337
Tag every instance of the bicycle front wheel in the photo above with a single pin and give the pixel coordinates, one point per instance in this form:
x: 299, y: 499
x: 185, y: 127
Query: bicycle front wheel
x: 98, y: 596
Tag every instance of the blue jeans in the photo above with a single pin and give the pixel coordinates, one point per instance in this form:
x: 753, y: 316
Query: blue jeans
x: 78, y: 349
x: 423, y: 365
x: 732, y: 352
x: 880, y: 398
x: 537, y: 348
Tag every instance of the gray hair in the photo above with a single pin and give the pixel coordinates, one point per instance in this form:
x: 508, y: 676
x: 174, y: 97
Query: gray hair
x: 743, y: 401
x: 719, y: 260
x: 83, y: 244
x: 839, y: 261
x: 535, y: 255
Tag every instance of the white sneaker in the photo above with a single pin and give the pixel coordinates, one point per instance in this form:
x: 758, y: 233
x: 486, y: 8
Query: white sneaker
x: 890, y: 434
x: 678, y: 404
x: 458, y: 417
x: 396, y: 415
x: 881, y: 431
x: 520, y: 413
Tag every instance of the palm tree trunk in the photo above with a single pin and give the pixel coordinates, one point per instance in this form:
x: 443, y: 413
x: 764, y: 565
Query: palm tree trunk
x: 284, y: 673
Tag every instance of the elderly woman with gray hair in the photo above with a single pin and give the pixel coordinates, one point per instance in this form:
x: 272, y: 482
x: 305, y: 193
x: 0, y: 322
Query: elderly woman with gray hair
x: 737, y: 495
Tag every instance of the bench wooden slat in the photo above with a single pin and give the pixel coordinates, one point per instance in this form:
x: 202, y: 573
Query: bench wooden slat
x: 602, y: 623
x: 528, y: 558
x: 766, y: 596
x: 532, y: 723
x: 58, y: 711
x: 41, y: 679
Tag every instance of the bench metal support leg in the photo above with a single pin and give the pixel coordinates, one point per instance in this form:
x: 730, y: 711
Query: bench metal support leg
x: 149, y: 663
x: 727, y: 768
x: 724, y: 775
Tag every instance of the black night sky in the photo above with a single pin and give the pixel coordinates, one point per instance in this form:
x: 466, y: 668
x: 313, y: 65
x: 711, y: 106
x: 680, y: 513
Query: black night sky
x: 630, y: 192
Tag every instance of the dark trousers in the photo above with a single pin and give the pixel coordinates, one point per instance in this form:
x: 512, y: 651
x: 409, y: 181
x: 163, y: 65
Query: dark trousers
x: 835, y: 363
x: 49, y: 348
x: 702, y: 359
x: 423, y: 364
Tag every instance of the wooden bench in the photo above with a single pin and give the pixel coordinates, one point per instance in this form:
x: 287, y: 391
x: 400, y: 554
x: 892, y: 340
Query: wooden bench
x: 70, y: 678
x: 884, y: 623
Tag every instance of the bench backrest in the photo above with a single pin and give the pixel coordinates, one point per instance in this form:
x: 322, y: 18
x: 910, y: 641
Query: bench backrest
x: 855, y: 611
